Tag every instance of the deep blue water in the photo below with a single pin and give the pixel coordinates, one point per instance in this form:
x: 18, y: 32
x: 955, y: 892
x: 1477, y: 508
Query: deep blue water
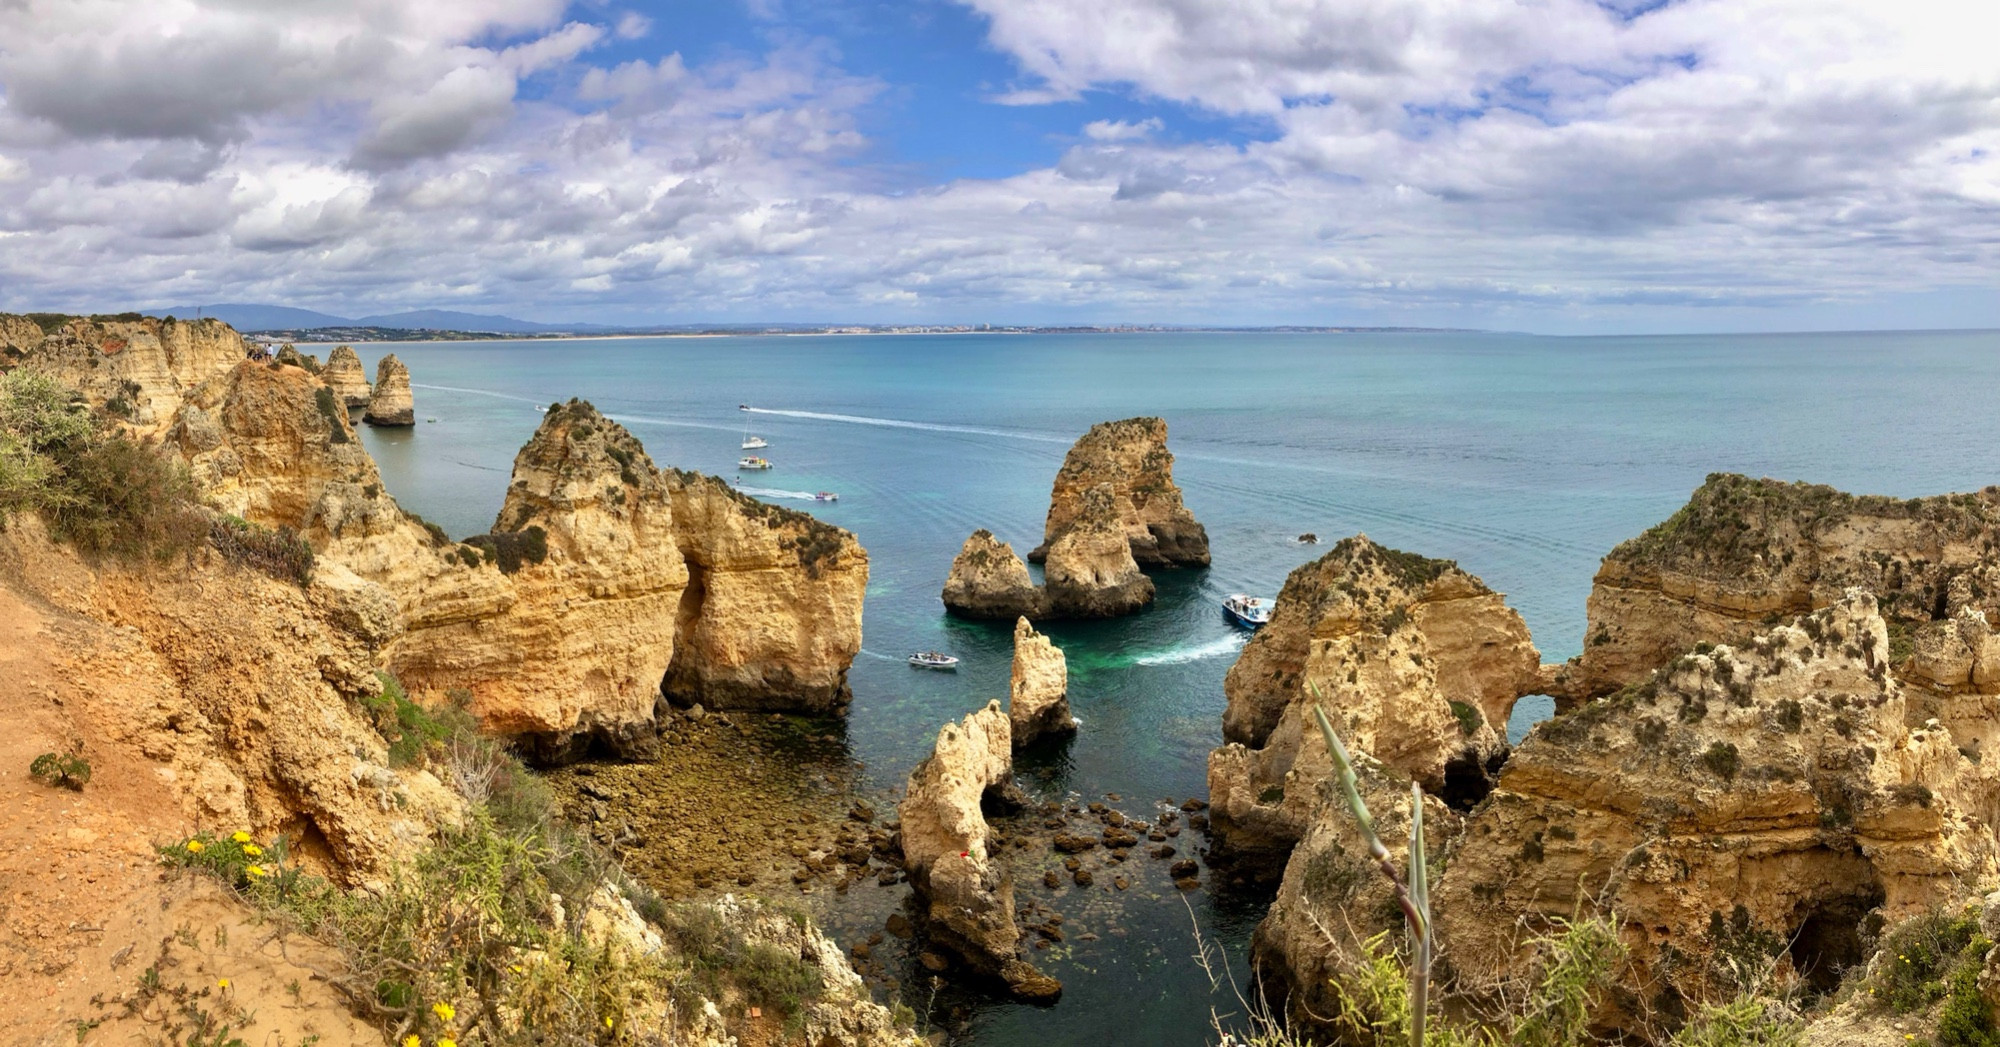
x: 1523, y: 458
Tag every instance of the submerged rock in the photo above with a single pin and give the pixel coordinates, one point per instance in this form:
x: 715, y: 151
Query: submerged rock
x: 989, y: 581
x: 390, y: 404
x: 1131, y: 457
x: 1038, y: 691
x: 345, y: 376
x: 1414, y: 660
x: 1090, y: 571
x: 968, y: 894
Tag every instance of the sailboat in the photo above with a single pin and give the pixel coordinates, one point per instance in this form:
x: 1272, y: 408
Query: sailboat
x: 751, y: 443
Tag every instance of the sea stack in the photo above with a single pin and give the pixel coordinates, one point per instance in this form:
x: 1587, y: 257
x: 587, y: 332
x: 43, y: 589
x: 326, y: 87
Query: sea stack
x: 345, y: 376
x: 1038, y: 693
x: 390, y: 404
x: 988, y: 580
x: 1132, y: 457
x: 968, y: 894
x: 1090, y: 570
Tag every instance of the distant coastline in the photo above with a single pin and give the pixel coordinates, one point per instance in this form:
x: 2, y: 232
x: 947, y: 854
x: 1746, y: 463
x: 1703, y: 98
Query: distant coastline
x: 356, y: 335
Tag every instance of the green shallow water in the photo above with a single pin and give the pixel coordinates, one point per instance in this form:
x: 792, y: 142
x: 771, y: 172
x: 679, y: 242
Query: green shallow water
x: 1523, y: 458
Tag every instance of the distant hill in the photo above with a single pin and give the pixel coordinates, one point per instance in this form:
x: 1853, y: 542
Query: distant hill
x: 246, y: 317
x: 451, y: 320
x: 251, y: 317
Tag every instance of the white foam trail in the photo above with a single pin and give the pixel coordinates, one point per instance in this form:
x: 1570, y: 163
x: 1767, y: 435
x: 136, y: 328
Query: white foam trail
x: 477, y: 392
x: 897, y: 423
x: 1183, y: 655
x: 878, y: 654
x: 640, y: 419
x: 772, y: 492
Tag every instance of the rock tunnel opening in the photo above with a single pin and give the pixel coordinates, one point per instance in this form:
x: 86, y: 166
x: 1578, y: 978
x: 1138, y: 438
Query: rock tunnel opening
x: 1467, y: 778
x: 1830, y: 937
x: 678, y: 685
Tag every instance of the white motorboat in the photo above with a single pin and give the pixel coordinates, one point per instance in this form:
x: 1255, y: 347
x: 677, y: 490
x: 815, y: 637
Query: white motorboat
x: 751, y: 443
x: 1247, y: 611
x: 933, y: 660
x: 826, y: 496
x: 753, y: 462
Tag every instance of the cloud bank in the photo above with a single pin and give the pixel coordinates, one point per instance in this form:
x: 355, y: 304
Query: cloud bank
x: 1555, y: 164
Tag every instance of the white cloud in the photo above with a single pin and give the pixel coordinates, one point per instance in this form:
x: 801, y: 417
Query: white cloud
x: 1121, y: 130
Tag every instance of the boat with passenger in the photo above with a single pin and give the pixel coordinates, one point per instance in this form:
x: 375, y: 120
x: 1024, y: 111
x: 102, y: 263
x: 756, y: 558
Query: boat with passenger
x: 1247, y: 611
x: 933, y: 660
x: 753, y: 462
x: 825, y: 496
x: 751, y: 443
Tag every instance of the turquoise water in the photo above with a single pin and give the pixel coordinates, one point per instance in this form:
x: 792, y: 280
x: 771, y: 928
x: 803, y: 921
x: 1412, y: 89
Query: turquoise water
x: 1523, y: 458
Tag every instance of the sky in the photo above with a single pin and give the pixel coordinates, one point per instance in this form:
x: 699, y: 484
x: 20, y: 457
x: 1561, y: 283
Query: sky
x: 1558, y: 166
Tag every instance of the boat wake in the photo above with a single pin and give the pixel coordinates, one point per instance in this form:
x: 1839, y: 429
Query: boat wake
x: 772, y: 492
x: 897, y: 423
x: 878, y: 654
x: 1201, y: 652
x: 476, y: 392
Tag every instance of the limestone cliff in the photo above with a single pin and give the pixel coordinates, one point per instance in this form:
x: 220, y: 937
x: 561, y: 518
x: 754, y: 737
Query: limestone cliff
x: 1132, y: 457
x: 1090, y: 572
x: 565, y: 626
x: 1416, y: 662
x: 989, y: 581
x: 771, y: 617
x: 1745, y: 801
x: 346, y: 377
x: 967, y: 893
x: 390, y: 403
x: 137, y: 369
x: 1038, y: 690
x: 1744, y: 554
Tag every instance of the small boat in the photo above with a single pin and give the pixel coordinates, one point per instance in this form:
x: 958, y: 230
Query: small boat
x: 751, y: 443
x: 743, y: 407
x: 753, y: 462
x: 933, y: 660
x: 826, y: 496
x: 1247, y: 611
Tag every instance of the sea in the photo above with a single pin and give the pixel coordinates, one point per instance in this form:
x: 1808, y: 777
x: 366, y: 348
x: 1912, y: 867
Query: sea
x: 1523, y: 458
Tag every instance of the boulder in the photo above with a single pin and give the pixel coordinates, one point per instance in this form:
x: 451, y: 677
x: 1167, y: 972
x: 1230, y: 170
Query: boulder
x: 1038, y: 692
x: 1132, y: 457
x: 1745, y: 800
x: 1414, y: 660
x: 989, y: 581
x: 390, y: 404
x: 1090, y: 572
x: 967, y: 893
x: 345, y: 376
x: 771, y: 618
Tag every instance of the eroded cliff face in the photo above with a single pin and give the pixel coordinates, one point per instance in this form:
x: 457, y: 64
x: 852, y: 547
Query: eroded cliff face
x: 1414, y: 660
x: 771, y: 617
x: 346, y: 377
x: 1132, y: 457
x: 1755, y: 798
x: 1744, y: 554
x: 988, y: 580
x: 564, y: 620
x: 1090, y: 572
x: 136, y: 370
x: 967, y: 893
x: 390, y: 404
x: 1038, y: 688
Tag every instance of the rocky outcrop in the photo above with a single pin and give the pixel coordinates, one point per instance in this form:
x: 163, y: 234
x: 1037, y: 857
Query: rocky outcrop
x: 771, y: 617
x: 138, y: 369
x: 1745, y: 801
x: 563, y: 620
x: 344, y: 375
x: 1038, y: 692
x: 1744, y: 554
x: 966, y: 892
x: 989, y: 581
x: 1090, y: 572
x: 1132, y: 457
x: 1415, y: 661
x: 390, y: 403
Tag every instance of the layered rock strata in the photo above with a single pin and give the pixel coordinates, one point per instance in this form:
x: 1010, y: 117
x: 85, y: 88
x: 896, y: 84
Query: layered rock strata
x: 988, y: 580
x: 1089, y: 571
x: 1038, y: 690
x: 1745, y: 801
x: 137, y: 370
x: 390, y: 403
x: 1132, y: 457
x: 771, y: 617
x: 1414, y: 660
x: 967, y: 893
x: 345, y: 376
x: 1744, y: 554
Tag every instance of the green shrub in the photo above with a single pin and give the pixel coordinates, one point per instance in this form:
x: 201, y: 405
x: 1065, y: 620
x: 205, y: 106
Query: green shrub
x: 1747, y: 1021
x: 511, y: 549
x: 1468, y: 717
x: 1722, y: 758
x: 409, y: 728
x: 280, y: 553
x: 1917, y: 957
x: 61, y: 770
x: 334, y: 414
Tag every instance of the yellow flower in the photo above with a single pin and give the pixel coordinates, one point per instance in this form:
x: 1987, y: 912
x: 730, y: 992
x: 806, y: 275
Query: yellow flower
x: 194, y: 846
x: 444, y: 1012
x: 223, y: 984
x: 254, y: 870
x: 447, y: 1042
x: 252, y: 850
x: 412, y: 1041
x: 607, y: 1021
x: 241, y: 836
